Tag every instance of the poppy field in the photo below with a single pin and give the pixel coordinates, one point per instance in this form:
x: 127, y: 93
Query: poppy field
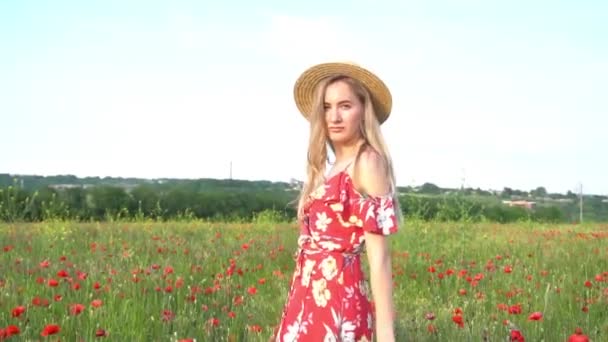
x: 202, y: 281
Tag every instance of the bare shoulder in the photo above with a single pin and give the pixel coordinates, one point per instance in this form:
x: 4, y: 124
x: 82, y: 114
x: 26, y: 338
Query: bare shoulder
x: 372, y: 173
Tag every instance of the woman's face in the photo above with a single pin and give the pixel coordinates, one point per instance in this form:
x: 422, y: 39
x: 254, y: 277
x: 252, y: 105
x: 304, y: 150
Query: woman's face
x: 343, y: 113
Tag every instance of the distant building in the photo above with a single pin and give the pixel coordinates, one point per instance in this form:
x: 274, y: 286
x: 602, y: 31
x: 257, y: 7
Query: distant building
x: 521, y: 204
x: 295, y: 184
x: 70, y: 186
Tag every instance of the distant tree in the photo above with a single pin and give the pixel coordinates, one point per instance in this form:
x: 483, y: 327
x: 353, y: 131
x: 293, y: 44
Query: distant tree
x: 539, y: 192
x: 507, y: 192
x: 520, y: 193
x: 107, y: 200
x: 145, y: 199
x: 549, y: 214
x: 482, y: 192
x: 504, y: 214
x: 430, y: 188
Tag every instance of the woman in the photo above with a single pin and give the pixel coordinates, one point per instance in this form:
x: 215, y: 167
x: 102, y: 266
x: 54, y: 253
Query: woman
x: 343, y: 212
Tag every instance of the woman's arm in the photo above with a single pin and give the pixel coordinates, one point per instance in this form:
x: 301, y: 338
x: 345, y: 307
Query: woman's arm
x: 381, y: 280
x: 373, y: 181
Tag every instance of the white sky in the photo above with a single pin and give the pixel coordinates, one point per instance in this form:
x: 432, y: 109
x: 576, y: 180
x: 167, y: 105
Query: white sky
x: 504, y: 95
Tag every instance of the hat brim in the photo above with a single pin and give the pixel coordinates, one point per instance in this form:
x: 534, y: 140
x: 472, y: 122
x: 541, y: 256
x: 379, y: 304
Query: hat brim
x: 306, y: 85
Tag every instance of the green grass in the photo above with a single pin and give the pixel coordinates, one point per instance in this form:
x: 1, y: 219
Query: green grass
x: 134, y: 263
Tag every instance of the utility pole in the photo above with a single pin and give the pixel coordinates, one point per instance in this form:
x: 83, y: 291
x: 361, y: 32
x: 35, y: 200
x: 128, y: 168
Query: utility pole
x: 231, y: 170
x: 463, y: 179
x: 581, y: 202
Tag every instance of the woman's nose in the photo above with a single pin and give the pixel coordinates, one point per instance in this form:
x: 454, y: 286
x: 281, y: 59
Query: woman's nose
x: 334, y: 115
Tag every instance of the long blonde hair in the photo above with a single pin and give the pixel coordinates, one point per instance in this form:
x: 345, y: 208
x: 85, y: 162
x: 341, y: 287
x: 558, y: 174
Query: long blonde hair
x: 319, y: 143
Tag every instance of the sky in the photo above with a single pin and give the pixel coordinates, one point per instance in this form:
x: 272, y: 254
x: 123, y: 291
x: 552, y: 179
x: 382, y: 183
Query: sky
x: 486, y: 94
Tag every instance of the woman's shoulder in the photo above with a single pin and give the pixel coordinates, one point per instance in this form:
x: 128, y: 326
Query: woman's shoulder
x: 371, y: 173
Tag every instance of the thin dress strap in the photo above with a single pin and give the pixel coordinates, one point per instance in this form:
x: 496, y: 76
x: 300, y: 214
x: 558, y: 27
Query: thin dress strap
x: 349, y: 164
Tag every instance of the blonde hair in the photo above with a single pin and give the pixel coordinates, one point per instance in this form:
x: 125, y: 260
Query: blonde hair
x: 319, y: 143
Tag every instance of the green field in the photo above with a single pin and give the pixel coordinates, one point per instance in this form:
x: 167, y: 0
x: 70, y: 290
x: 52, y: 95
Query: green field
x: 166, y: 281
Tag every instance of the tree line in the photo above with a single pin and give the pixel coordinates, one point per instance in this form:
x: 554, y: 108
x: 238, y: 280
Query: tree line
x: 231, y: 201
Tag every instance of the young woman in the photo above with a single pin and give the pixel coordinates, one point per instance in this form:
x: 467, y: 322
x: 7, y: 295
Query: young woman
x: 348, y: 210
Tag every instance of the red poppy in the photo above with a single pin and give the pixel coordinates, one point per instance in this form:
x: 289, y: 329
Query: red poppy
x: 458, y: 320
x: 50, y: 329
x: 214, y: 321
x: 9, y: 331
x: 535, y: 316
x: 578, y: 336
x: 517, y: 336
x: 76, y: 309
x: 18, y: 310
x: 82, y: 275
x: 515, y: 309
x: 167, y: 315
x: 37, y: 301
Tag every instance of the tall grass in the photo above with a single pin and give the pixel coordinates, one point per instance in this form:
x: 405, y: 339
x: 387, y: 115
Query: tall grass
x: 217, y: 281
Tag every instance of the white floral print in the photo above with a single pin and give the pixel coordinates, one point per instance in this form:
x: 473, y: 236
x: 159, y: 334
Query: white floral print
x: 306, y: 271
x: 329, y: 267
x: 322, y: 221
x: 320, y: 292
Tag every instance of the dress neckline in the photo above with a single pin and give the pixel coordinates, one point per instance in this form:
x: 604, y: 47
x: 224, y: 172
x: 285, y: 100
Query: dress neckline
x: 328, y: 179
x: 347, y: 179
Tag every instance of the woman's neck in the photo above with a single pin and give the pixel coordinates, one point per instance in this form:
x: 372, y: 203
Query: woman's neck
x: 347, y: 152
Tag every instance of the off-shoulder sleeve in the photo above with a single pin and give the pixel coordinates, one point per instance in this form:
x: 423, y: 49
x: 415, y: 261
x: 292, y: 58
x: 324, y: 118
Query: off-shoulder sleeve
x: 378, y: 214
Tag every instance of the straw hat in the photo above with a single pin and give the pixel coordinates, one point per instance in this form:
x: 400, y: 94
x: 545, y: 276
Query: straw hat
x: 306, y: 84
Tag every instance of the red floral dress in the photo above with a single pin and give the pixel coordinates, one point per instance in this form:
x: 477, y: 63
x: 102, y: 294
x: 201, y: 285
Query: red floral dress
x: 329, y: 296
